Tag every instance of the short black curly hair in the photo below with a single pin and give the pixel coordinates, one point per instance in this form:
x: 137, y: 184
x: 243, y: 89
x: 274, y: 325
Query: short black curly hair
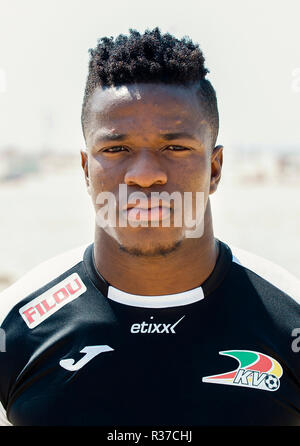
x: 150, y: 57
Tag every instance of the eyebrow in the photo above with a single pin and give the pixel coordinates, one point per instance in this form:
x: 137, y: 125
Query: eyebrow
x: 112, y: 137
x: 178, y: 135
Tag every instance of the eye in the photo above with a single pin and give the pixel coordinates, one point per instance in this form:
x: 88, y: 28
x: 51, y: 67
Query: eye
x: 177, y: 148
x: 115, y: 149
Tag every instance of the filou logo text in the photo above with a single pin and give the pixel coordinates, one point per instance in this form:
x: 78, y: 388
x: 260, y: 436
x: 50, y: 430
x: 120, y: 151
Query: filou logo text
x: 152, y: 327
x: 44, y: 305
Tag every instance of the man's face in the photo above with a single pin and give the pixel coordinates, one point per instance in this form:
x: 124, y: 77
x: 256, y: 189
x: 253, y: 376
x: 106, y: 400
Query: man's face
x: 152, y: 138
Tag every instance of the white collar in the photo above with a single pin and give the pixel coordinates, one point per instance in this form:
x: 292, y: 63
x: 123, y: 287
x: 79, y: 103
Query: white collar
x: 167, y: 300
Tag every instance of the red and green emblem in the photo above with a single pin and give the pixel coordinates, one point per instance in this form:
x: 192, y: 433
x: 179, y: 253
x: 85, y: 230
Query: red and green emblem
x: 255, y: 370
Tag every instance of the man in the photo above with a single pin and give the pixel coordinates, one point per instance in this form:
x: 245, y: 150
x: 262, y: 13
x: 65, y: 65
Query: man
x: 156, y: 322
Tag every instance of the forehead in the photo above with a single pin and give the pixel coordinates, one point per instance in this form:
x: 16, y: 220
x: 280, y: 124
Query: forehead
x: 155, y: 107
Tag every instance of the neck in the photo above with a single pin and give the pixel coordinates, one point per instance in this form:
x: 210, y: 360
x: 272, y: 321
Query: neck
x: 185, y: 268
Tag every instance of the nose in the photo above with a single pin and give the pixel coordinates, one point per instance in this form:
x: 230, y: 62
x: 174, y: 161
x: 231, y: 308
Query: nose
x: 145, y: 171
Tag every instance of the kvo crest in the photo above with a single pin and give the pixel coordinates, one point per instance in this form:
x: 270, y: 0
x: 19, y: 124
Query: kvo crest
x: 255, y: 370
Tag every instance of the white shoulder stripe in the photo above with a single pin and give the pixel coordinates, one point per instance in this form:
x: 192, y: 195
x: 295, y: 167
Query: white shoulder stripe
x: 3, y: 418
x: 273, y: 273
x: 37, y: 277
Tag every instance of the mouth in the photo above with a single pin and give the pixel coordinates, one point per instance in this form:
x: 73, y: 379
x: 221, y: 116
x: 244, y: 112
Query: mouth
x: 157, y: 213
x: 146, y: 211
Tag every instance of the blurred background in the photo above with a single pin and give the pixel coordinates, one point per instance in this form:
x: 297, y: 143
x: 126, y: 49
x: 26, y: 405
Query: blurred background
x: 252, y: 52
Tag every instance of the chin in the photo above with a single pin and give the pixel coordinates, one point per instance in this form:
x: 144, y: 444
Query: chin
x: 156, y: 251
x: 151, y: 244
x: 147, y: 241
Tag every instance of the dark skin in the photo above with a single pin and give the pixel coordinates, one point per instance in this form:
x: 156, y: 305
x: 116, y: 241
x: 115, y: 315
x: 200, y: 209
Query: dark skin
x: 153, y: 138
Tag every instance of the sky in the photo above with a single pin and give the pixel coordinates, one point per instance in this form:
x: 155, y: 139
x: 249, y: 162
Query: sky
x: 252, y: 49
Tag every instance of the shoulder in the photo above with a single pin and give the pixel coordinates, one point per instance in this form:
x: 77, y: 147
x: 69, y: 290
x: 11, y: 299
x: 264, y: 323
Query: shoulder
x: 270, y: 272
x: 38, y: 277
x: 30, y: 287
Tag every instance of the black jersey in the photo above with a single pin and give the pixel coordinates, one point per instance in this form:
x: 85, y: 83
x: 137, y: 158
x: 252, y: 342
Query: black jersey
x: 78, y: 351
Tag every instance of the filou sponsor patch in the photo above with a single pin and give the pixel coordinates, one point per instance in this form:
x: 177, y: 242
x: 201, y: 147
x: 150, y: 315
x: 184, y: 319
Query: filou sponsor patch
x: 52, y: 300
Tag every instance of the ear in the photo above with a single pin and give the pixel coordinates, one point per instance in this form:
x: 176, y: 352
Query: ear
x: 216, y: 168
x: 84, y: 164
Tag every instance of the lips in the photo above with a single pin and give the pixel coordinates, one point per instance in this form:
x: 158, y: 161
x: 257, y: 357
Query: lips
x: 146, y: 204
x: 144, y: 210
x: 153, y: 214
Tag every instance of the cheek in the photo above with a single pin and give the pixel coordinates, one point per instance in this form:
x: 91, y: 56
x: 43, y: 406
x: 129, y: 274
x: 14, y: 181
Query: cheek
x: 102, y: 177
x: 96, y: 178
x: 196, y: 175
x: 197, y: 179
